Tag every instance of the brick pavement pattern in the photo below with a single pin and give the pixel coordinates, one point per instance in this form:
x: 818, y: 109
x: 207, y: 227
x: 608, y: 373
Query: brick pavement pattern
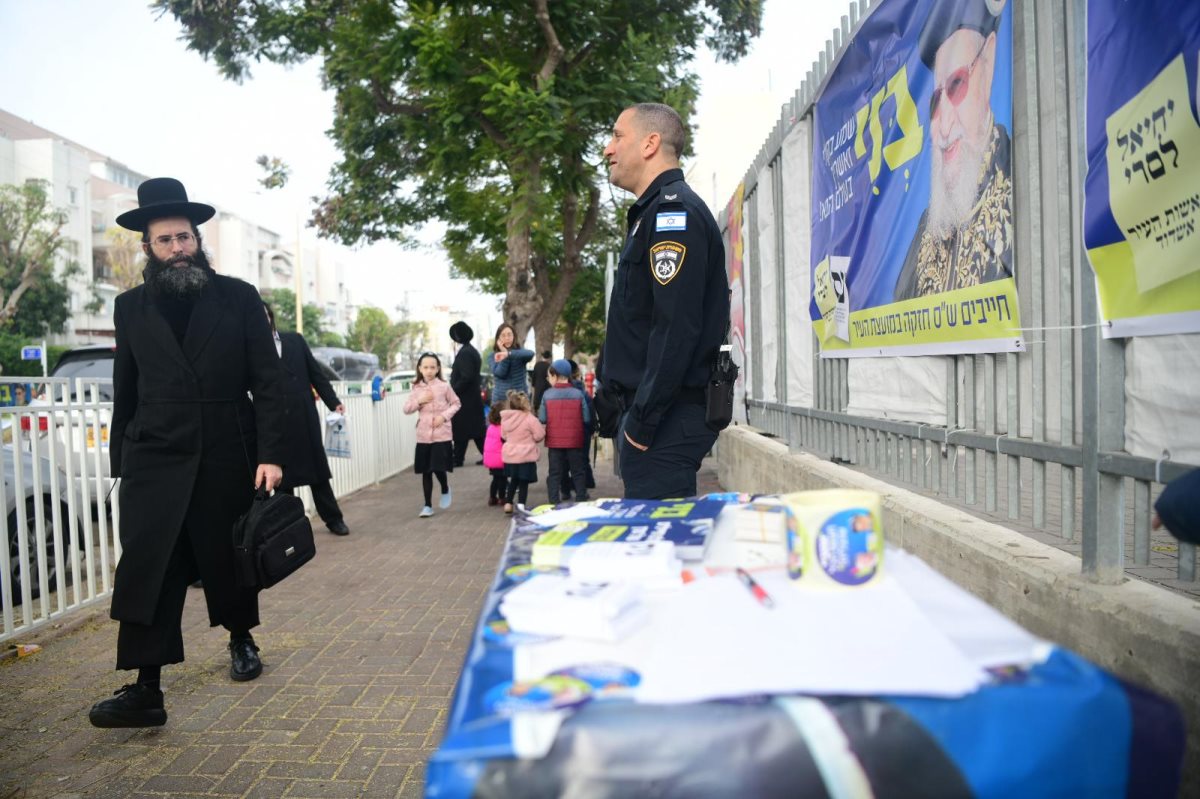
x: 361, y: 652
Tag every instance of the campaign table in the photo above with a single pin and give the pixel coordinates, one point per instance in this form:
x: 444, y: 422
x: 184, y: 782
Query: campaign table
x: 1059, y: 727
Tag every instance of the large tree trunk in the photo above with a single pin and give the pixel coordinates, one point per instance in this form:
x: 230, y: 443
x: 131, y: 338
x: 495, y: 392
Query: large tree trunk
x: 576, y: 235
x: 522, y: 301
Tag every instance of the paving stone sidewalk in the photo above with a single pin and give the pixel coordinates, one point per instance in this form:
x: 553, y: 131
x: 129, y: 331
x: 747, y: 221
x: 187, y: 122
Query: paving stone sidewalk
x: 362, y: 649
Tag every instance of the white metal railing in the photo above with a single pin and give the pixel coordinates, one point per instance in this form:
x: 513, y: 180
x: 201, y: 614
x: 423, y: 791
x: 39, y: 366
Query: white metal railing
x: 59, y: 516
x: 62, y: 515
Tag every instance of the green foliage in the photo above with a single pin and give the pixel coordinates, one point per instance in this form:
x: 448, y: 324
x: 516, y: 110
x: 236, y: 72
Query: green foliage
x: 490, y: 116
x: 275, y: 172
x: 30, y: 243
x: 10, y: 356
x: 283, y: 303
x: 44, y: 309
x: 374, y: 332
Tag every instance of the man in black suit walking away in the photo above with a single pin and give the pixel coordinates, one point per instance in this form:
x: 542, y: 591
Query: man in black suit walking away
x: 307, y: 464
x: 188, y: 445
x: 468, y: 424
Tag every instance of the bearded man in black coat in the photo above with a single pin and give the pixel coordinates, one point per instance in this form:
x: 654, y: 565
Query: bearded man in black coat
x: 185, y: 439
x: 468, y: 424
x: 307, y: 464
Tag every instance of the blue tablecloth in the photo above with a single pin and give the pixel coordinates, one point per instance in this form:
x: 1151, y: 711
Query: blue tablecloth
x: 1062, y: 728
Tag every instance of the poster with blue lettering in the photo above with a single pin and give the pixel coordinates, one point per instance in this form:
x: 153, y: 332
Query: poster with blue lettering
x: 912, y: 205
x: 1141, y: 206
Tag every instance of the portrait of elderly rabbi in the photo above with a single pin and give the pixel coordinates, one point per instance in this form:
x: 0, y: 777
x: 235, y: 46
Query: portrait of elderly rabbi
x: 188, y: 445
x: 669, y: 309
x: 965, y: 236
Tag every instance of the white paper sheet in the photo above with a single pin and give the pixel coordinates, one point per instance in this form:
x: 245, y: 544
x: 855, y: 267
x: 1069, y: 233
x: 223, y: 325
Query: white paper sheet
x: 714, y: 640
x: 985, y: 635
x: 569, y: 514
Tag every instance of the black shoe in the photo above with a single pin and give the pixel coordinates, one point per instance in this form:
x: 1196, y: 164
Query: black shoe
x: 246, y: 664
x: 134, y: 705
x: 338, y: 528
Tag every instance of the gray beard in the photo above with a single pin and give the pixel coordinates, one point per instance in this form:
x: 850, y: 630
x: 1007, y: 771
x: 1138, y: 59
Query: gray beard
x: 183, y: 282
x: 951, y: 202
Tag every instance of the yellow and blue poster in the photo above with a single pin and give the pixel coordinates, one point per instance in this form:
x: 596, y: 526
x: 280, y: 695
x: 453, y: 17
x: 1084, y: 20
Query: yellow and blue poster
x: 1142, y: 190
x: 912, y: 205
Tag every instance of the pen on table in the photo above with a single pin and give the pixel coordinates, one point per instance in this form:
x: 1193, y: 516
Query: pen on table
x: 759, y: 592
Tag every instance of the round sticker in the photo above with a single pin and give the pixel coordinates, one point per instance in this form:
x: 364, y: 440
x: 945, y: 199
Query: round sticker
x: 848, y: 546
x: 549, y: 693
x: 607, y: 680
x: 522, y: 572
x: 497, y: 631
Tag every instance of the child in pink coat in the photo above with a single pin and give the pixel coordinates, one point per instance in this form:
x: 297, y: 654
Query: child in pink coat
x: 522, y: 431
x: 493, y: 456
x: 435, y: 403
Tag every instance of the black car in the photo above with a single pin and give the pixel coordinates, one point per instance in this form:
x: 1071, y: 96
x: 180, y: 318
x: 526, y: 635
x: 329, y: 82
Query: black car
x: 90, y: 360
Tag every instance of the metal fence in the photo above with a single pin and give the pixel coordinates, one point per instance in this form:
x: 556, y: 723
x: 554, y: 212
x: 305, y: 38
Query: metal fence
x: 1034, y: 439
x: 58, y: 502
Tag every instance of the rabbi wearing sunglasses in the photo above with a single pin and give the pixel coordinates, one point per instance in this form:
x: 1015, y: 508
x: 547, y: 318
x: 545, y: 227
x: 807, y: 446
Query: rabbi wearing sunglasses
x: 965, y: 236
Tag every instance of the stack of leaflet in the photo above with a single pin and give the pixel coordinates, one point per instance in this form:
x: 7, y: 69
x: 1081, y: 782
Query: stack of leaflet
x: 650, y: 564
x: 760, y: 533
x: 553, y: 604
x: 686, y: 523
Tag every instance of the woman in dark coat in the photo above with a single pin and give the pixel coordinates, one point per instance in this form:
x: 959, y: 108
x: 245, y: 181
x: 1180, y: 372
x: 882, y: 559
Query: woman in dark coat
x: 306, y: 464
x: 468, y: 424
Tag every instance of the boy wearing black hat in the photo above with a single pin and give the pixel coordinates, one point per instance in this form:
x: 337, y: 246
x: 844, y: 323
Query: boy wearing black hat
x: 564, y: 412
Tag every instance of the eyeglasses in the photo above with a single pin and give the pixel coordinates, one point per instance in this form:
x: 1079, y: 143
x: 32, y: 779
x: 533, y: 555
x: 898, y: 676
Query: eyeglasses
x: 955, y: 87
x: 162, y: 242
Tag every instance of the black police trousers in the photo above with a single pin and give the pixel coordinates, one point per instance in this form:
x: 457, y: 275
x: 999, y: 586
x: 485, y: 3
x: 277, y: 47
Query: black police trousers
x: 668, y: 469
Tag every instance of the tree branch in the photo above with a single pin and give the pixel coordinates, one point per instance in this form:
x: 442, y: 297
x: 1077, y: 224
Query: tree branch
x: 556, y: 50
x: 386, y: 105
x: 590, y: 217
x: 493, y: 132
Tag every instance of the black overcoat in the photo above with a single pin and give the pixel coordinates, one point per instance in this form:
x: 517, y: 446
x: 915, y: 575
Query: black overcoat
x: 468, y: 423
x: 306, y: 461
x: 185, y: 438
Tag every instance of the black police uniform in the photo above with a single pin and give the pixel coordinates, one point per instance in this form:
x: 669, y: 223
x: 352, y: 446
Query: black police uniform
x: 667, y: 318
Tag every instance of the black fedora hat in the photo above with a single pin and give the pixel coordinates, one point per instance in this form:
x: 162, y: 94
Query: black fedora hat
x: 461, y: 332
x: 947, y: 16
x: 159, y: 198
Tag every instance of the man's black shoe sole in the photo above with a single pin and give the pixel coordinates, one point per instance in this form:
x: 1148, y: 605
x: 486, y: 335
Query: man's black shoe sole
x: 143, y: 718
x: 246, y: 677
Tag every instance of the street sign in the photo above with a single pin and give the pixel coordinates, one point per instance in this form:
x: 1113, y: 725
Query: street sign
x: 31, y: 353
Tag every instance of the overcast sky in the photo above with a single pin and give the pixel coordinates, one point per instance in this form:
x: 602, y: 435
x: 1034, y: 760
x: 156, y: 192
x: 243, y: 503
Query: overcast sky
x: 111, y: 76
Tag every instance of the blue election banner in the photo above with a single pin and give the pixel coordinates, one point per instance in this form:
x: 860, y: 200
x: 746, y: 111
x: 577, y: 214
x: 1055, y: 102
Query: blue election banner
x: 1141, y: 209
x: 912, y: 224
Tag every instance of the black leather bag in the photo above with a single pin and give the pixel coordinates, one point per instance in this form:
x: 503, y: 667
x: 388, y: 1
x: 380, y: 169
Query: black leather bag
x: 607, y: 405
x: 271, y: 540
x: 718, y: 394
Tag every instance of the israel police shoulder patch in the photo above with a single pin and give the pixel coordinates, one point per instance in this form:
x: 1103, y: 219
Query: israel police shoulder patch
x: 666, y: 259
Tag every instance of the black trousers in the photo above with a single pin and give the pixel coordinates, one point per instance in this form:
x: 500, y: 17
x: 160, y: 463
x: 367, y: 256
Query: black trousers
x: 323, y: 498
x: 161, y: 641
x: 562, y: 462
x: 668, y: 469
x: 460, y: 448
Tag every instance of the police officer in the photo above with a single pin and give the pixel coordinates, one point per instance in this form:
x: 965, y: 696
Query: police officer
x: 669, y: 308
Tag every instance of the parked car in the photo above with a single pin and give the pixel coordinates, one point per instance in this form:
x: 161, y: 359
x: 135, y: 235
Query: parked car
x: 31, y: 499
x: 348, y: 364
x: 402, y: 379
x: 90, y: 360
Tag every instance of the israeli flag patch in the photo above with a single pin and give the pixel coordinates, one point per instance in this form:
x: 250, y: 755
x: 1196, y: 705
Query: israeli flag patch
x: 670, y: 220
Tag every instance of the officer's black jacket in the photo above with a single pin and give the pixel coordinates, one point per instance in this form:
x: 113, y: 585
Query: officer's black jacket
x: 670, y: 302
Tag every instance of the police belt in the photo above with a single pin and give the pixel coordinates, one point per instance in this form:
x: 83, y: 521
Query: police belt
x: 685, y: 396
